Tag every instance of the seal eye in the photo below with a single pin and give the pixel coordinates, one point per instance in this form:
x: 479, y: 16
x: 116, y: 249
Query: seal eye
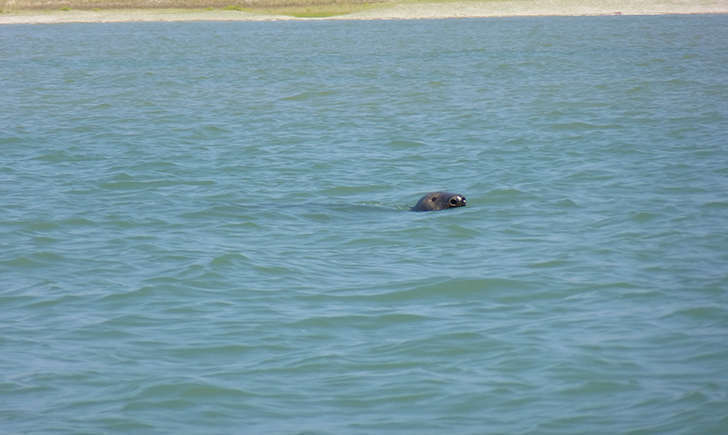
x: 453, y: 202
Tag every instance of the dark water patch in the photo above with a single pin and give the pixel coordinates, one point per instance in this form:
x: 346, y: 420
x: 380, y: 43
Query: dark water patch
x: 152, y: 184
x: 718, y: 205
x: 40, y: 226
x: 241, y: 226
x: 642, y: 217
x: 231, y: 353
x: 405, y: 144
x: 565, y: 203
x: 359, y: 322
x: 37, y: 260
x: 447, y: 289
x: 705, y: 314
x: 234, y: 212
x: 593, y: 388
x: 136, y: 296
x: 576, y: 126
x: 317, y: 217
x: 56, y: 301
x: 182, y: 392
x: 443, y: 344
x: 230, y: 259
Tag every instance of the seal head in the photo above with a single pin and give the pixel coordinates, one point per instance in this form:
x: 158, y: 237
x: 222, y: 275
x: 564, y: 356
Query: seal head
x: 439, y: 201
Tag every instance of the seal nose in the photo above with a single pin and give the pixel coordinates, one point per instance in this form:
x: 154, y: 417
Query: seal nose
x: 457, y: 201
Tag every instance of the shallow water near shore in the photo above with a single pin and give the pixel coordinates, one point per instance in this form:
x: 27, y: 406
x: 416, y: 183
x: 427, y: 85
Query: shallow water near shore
x: 204, y: 227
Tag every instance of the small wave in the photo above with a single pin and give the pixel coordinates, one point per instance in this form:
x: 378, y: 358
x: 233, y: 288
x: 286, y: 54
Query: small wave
x: 448, y: 288
x: 152, y: 184
x: 36, y: 259
x: 215, y: 352
x: 183, y: 393
x: 565, y: 203
x: 405, y: 144
x: 703, y: 313
x: 643, y: 216
x: 582, y: 126
x: 55, y: 157
x: 51, y: 301
x: 375, y: 321
x: 600, y: 387
x: 548, y: 264
x: 719, y: 205
x: 229, y: 259
x: 308, y: 95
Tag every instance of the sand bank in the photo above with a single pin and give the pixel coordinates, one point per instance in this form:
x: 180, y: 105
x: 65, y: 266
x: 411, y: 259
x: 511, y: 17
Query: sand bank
x: 406, y: 10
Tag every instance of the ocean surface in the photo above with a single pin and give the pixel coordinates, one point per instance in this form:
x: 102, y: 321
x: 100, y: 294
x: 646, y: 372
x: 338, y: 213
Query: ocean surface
x: 205, y: 227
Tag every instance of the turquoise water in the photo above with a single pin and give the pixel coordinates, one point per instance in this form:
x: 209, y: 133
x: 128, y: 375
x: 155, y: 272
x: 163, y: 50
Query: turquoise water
x: 204, y: 227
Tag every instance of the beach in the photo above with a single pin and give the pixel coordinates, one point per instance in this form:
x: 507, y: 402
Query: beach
x: 385, y: 11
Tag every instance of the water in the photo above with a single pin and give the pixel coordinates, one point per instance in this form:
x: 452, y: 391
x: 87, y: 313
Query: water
x: 204, y: 227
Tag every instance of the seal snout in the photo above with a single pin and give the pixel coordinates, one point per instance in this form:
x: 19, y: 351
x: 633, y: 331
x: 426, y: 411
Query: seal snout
x: 458, y: 201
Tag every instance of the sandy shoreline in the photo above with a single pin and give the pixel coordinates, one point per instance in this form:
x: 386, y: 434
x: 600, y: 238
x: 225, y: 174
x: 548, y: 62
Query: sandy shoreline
x: 449, y: 9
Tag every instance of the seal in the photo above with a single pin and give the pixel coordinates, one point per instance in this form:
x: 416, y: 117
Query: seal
x: 439, y: 201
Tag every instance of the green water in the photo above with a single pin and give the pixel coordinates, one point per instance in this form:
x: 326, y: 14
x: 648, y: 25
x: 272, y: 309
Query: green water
x: 204, y: 227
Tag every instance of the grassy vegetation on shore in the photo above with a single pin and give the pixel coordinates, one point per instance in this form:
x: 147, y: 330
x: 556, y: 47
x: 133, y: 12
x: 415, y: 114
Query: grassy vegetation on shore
x: 296, y: 8
x: 309, y: 11
x: 333, y: 5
